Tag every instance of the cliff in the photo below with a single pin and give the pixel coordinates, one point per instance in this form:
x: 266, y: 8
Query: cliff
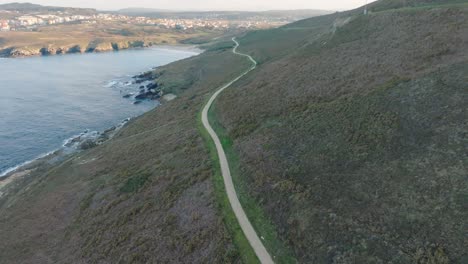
x: 93, y: 46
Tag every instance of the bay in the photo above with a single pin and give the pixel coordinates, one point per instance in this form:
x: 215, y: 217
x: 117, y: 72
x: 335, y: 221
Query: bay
x: 46, y: 100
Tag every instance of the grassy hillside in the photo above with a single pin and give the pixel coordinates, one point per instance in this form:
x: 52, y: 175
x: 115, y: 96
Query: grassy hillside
x: 397, y: 4
x: 347, y: 145
x: 353, y: 139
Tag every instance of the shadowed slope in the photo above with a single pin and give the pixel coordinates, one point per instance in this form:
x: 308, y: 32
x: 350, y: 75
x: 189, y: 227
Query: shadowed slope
x: 353, y: 141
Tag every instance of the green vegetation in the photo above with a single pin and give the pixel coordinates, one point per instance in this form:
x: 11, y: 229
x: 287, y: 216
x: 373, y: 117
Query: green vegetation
x: 284, y: 41
x: 347, y: 145
x: 408, y: 4
x: 172, y: 81
x: 350, y: 139
x: 220, y: 45
x: 245, y: 250
x: 145, y: 196
x: 261, y: 223
x: 134, y: 183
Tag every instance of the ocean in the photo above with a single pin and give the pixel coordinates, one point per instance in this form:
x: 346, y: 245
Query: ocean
x: 45, y: 101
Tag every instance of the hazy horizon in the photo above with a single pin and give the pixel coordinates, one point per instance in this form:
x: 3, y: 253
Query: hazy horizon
x: 208, y: 5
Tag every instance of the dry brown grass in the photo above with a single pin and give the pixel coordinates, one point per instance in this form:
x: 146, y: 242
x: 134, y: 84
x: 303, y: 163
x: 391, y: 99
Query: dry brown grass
x: 88, y: 35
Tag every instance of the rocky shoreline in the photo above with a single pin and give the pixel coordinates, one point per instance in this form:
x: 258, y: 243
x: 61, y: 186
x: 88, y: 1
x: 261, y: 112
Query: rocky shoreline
x: 92, y: 47
x: 149, y: 87
x: 146, y: 86
x: 84, y: 141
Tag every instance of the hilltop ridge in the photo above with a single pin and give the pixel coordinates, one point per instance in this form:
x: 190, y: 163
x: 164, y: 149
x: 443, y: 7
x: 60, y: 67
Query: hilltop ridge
x: 29, y: 7
x: 396, y: 4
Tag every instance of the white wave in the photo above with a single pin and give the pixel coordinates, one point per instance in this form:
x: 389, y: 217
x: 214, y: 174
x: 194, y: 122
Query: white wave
x: 110, y: 84
x: 72, y: 144
x: 69, y: 145
x: 12, y: 169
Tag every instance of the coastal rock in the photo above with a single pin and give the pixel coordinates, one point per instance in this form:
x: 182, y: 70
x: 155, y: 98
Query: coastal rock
x: 103, y: 47
x: 23, y: 52
x: 111, y: 130
x: 152, y: 86
x: 141, y: 96
x: 5, y: 52
x: 120, y: 45
x: 98, y: 46
x: 75, y: 49
x: 146, y: 76
x: 137, y: 44
x: 61, y: 50
x: 48, y: 51
x: 93, y: 46
x: 149, y: 95
x: 88, y: 144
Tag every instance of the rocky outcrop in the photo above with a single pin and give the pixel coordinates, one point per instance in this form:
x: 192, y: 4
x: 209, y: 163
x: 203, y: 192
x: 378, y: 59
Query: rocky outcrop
x: 120, y: 45
x: 60, y: 51
x: 151, y: 89
x: 131, y: 44
x: 75, y: 49
x: 90, y: 139
x: 152, y: 94
x: 137, y: 44
x: 48, y: 51
x: 93, y: 46
x: 15, y: 52
x: 22, y: 52
x: 146, y: 76
x: 99, y: 47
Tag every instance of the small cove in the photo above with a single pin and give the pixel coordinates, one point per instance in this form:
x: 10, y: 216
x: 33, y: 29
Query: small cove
x: 45, y: 101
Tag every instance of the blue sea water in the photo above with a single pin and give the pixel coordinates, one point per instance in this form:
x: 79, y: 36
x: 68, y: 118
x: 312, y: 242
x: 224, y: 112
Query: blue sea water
x: 46, y: 100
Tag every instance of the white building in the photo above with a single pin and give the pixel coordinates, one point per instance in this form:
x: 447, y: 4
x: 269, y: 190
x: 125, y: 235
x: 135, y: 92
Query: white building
x: 4, y: 25
x: 29, y: 20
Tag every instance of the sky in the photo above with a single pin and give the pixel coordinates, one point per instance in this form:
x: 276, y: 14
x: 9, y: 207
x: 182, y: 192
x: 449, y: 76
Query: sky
x: 205, y: 4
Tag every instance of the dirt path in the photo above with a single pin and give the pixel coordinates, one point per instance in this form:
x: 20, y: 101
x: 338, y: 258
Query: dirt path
x: 244, y: 222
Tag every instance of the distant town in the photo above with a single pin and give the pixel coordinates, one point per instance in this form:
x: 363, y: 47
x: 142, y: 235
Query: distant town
x: 28, y: 22
x: 36, y: 30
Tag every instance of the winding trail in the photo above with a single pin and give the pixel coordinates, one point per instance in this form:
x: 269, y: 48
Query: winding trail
x: 244, y: 222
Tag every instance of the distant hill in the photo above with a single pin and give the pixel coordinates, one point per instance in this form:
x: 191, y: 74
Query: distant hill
x: 139, y: 10
x: 20, y: 6
x: 230, y: 15
x: 395, y: 4
x: 28, y: 7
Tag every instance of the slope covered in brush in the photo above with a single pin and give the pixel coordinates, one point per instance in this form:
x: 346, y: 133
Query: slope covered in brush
x: 146, y: 196
x: 347, y: 145
x: 352, y: 134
